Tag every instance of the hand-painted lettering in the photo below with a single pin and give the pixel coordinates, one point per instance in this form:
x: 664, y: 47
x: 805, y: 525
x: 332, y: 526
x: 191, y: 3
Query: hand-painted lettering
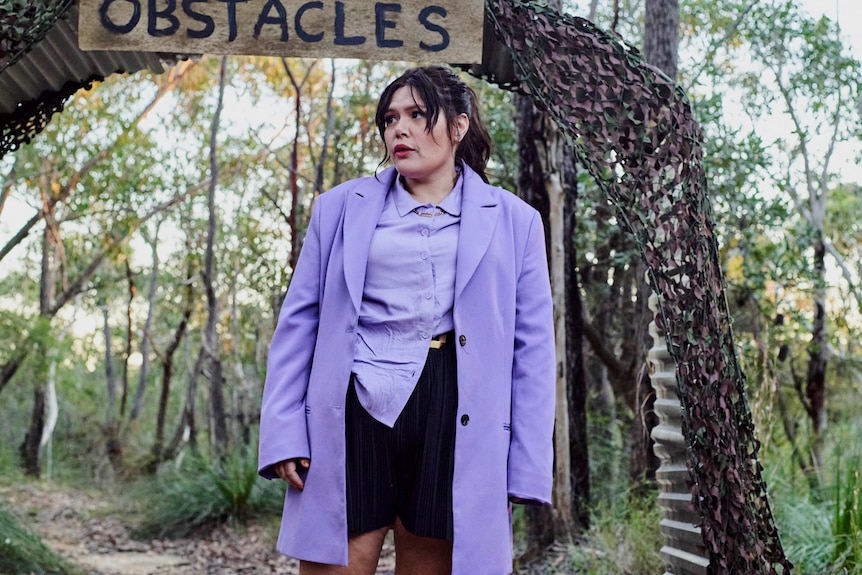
x: 424, y: 16
x: 417, y: 29
x: 297, y: 23
x: 231, y: 18
x: 340, y: 38
x: 279, y: 19
x: 381, y: 24
x: 112, y: 26
x: 209, y: 24
x: 167, y: 13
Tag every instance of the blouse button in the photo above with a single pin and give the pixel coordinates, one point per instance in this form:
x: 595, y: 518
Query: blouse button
x: 424, y: 231
x: 462, y: 340
x: 465, y: 419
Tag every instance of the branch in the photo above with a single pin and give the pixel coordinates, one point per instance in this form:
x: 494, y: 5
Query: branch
x: 803, y: 144
x: 22, y: 233
x: 330, y: 128
x: 174, y: 76
x: 800, y: 392
x: 724, y: 41
x: 608, y: 359
x: 118, y: 240
x: 66, y: 190
x: 275, y: 203
x: 845, y: 271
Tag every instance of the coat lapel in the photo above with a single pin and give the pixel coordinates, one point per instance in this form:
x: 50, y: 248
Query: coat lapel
x: 361, y: 214
x: 479, y: 212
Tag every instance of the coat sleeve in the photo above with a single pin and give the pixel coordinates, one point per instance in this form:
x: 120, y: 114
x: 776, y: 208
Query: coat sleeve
x: 530, y: 464
x: 283, y: 431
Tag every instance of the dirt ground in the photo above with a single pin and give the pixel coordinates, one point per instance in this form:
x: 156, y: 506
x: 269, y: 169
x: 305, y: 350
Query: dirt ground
x: 92, y: 531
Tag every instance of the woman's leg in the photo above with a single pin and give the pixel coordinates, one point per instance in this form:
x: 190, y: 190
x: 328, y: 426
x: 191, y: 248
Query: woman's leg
x: 415, y: 555
x: 363, y: 553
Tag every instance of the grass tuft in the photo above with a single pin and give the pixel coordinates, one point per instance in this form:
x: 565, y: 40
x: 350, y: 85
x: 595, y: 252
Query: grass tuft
x: 22, y: 552
x: 205, y: 492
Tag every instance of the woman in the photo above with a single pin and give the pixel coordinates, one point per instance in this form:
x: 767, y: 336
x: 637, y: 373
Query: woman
x: 410, y: 383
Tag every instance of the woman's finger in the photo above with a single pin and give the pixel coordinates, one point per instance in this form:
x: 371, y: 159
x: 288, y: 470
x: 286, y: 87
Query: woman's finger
x: 288, y: 472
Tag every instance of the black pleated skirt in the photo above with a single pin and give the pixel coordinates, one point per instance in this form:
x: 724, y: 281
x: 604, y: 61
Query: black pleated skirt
x: 406, y: 471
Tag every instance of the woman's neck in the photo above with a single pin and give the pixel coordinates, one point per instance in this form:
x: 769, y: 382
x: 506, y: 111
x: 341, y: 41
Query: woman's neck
x: 431, y: 191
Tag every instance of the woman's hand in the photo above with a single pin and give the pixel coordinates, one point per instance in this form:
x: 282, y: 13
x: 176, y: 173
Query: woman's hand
x: 287, y: 470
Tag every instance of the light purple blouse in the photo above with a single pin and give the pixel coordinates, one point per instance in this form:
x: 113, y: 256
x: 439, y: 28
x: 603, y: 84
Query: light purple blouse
x: 408, y: 297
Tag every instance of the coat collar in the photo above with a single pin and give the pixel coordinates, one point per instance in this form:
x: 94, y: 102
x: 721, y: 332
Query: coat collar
x: 364, y: 205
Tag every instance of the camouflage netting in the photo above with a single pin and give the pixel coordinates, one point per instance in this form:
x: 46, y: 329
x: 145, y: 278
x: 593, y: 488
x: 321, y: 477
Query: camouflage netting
x: 23, y: 24
x: 634, y: 131
x: 30, y: 118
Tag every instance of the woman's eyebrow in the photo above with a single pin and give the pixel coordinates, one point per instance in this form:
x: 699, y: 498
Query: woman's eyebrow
x: 409, y: 108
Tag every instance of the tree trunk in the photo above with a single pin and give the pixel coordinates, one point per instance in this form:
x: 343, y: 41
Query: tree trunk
x: 539, y: 522
x: 540, y: 184
x: 577, y: 388
x: 30, y: 450
x: 661, y: 35
x: 815, y: 389
x: 113, y: 445
x: 295, y: 241
x: 158, y: 452
x: 144, y: 374
x: 562, y: 495
x: 31, y: 447
x: 130, y: 281
x: 211, y: 339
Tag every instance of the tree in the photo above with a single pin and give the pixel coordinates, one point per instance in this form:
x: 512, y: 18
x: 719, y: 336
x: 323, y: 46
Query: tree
x: 803, y: 68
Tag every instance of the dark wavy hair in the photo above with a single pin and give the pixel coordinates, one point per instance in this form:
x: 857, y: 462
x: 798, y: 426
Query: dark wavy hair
x: 442, y: 90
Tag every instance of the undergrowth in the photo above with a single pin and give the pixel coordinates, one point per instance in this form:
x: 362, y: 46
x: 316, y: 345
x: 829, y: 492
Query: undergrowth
x: 623, y: 539
x: 206, y: 491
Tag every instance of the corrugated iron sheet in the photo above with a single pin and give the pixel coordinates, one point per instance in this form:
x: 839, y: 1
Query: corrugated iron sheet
x: 57, y: 60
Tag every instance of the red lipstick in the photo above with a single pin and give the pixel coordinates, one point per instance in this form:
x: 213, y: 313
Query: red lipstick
x: 401, y: 151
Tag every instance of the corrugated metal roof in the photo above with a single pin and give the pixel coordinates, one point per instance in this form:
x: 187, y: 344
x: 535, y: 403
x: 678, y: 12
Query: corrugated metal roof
x: 57, y: 60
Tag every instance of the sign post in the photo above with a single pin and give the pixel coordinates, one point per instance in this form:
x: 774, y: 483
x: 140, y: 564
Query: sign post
x: 413, y: 30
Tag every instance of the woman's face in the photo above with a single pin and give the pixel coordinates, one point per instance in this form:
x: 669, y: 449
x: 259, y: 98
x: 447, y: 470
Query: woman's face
x: 419, y: 155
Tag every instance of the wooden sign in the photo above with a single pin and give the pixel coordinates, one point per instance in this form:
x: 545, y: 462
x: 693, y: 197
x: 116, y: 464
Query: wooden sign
x: 412, y: 30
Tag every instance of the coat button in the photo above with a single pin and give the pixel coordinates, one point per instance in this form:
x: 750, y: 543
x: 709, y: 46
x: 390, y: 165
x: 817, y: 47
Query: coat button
x: 462, y: 340
x: 465, y: 419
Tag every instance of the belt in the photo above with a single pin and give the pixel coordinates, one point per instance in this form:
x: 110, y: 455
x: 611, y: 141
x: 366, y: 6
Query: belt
x: 439, y: 341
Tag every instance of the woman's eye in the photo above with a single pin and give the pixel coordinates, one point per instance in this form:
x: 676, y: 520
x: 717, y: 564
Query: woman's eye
x: 417, y: 114
x: 389, y: 120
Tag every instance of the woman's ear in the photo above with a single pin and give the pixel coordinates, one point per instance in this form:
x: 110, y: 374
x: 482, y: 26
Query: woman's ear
x: 462, y: 125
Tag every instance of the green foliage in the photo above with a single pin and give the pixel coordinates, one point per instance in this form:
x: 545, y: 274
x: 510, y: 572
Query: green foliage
x: 623, y: 540
x: 847, y: 519
x: 205, y: 492
x: 820, y: 525
x: 805, y: 530
x: 22, y: 553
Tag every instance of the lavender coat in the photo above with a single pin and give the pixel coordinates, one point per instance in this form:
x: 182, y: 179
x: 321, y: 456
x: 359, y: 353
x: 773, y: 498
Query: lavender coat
x: 505, y: 355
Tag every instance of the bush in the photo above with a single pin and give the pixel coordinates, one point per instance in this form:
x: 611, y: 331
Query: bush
x: 21, y: 552
x: 204, y: 492
x: 624, y: 538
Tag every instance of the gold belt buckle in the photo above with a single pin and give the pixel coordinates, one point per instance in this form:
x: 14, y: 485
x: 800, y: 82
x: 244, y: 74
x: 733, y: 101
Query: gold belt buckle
x: 438, y: 342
